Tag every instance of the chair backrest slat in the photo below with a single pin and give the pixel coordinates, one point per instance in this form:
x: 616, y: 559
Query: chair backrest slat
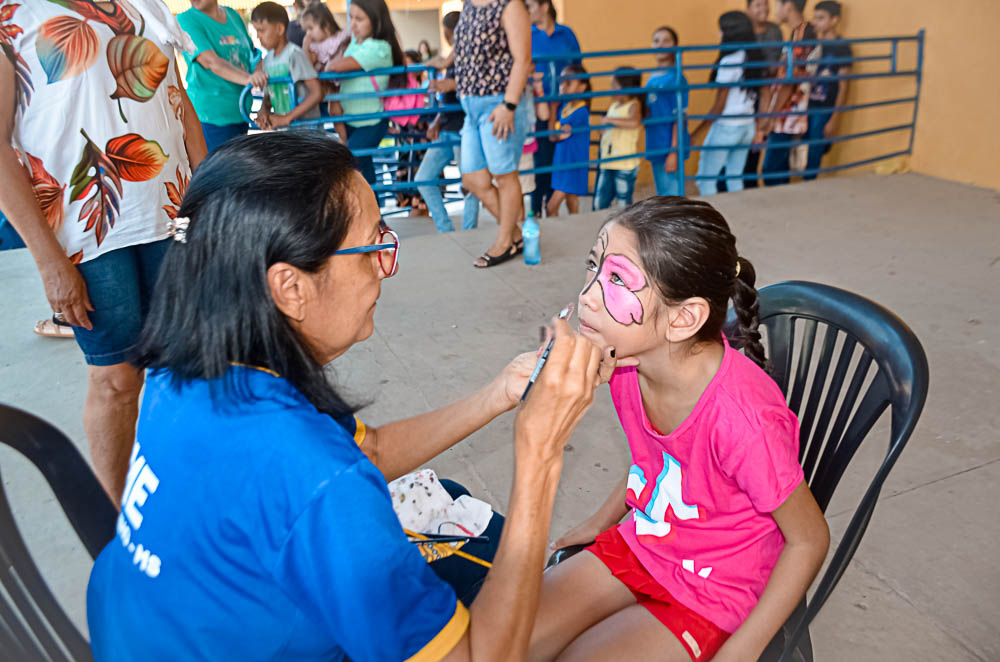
x: 31, y: 598
x: 821, y: 427
x: 780, y: 340
x: 835, y: 463
x: 15, y: 642
x: 816, y: 393
x: 802, y: 369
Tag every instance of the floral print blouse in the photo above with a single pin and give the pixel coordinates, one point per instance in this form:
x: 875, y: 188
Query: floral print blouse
x: 483, y: 60
x: 98, y: 118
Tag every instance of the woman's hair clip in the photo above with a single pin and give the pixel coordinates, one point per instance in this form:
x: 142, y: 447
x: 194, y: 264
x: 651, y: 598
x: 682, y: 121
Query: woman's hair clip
x: 737, y: 268
x: 178, y: 228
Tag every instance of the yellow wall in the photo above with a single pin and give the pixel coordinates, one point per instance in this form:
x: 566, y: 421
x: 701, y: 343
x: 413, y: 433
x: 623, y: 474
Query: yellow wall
x: 954, y: 139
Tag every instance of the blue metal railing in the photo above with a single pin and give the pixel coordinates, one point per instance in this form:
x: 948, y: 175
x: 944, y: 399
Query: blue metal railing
x: 389, y: 162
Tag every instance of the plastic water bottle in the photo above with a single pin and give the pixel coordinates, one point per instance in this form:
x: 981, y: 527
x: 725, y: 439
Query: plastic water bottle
x: 530, y: 232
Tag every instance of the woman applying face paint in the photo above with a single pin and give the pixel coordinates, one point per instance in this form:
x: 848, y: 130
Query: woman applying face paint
x: 722, y: 537
x: 257, y: 521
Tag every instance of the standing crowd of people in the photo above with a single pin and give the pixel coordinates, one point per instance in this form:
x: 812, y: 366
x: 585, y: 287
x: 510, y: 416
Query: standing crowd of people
x: 503, y: 129
x: 497, y: 83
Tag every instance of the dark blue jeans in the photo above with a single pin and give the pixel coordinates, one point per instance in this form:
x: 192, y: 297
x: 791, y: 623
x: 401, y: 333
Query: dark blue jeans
x: 776, y: 158
x: 365, y: 137
x: 817, y: 124
x: 543, y: 180
x: 461, y: 574
x: 217, y: 135
x: 120, y: 286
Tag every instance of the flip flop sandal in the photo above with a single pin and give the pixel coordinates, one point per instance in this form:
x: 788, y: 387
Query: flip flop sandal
x: 519, y: 246
x: 54, y: 328
x: 494, y: 260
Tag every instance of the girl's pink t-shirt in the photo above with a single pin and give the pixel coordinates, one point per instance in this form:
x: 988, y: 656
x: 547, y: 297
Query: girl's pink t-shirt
x: 702, y: 496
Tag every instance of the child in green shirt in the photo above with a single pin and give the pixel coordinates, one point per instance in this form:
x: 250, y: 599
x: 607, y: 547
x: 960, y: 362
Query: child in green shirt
x: 284, y: 59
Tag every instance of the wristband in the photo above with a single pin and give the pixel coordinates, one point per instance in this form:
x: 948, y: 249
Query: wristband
x: 510, y: 106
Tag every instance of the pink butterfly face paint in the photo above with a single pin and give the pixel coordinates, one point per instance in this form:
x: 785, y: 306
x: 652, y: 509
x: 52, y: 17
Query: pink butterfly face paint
x: 620, y: 279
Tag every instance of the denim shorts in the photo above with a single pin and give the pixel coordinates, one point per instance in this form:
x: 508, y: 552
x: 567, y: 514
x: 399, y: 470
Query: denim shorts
x: 120, y: 286
x: 480, y: 148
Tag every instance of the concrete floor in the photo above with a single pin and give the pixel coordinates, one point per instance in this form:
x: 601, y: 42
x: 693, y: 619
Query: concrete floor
x: 922, y: 585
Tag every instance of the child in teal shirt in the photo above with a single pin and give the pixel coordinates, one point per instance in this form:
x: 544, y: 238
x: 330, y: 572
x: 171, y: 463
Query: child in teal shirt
x: 218, y: 70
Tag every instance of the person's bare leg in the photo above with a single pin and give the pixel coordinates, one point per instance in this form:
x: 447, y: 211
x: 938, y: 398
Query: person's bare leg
x: 334, y: 109
x: 511, y: 209
x: 109, y: 415
x: 573, y: 204
x: 480, y: 184
x: 554, y: 201
x: 630, y: 634
x: 576, y: 595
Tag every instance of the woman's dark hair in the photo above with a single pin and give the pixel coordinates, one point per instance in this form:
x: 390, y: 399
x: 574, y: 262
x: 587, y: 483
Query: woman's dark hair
x: 382, y: 28
x: 630, y: 78
x: 737, y: 28
x: 269, y: 12
x: 450, y: 20
x: 831, y: 7
x: 688, y: 251
x: 552, y: 8
x: 577, y: 72
x: 671, y: 31
x: 320, y: 14
x: 256, y: 201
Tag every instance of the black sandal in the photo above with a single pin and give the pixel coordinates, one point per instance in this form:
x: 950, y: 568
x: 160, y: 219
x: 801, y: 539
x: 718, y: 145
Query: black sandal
x: 494, y: 260
x: 519, y: 246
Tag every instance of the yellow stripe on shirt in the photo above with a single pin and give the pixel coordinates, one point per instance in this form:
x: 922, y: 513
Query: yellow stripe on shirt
x: 255, y: 367
x: 442, y: 643
x: 360, y: 431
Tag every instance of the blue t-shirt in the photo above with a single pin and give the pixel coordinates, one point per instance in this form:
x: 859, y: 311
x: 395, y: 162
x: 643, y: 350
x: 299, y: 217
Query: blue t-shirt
x: 256, y: 529
x: 663, y: 103
x: 562, y: 40
x: 575, y: 149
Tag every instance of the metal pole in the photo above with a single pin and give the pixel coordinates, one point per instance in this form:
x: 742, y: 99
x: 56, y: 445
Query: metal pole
x: 553, y: 79
x: 895, y: 48
x: 681, y: 122
x: 920, y: 76
x: 789, y: 61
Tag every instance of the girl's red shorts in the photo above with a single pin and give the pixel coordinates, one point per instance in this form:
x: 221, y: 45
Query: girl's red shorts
x: 699, y: 636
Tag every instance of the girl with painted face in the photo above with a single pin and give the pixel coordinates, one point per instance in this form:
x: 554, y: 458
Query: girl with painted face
x: 722, y: 535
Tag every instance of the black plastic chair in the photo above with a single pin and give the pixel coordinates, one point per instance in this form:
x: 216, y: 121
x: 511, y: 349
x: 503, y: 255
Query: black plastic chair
x: 837, y: 410
x: 837, y: 401
x: 32, y: 624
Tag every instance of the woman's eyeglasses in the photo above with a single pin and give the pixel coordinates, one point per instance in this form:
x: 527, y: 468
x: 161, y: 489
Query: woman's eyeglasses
x: 387, y: 249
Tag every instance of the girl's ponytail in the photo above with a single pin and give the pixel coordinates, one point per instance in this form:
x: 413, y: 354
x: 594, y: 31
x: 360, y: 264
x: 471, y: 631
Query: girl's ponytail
x: 746, y: 305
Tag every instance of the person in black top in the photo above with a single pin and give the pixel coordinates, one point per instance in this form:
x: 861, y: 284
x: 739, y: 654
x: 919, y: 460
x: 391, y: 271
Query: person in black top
x: 492, y: 64
x: 295, y: 33
x: 445, y: 128
x: 834, y: 61
x: 766, y: 31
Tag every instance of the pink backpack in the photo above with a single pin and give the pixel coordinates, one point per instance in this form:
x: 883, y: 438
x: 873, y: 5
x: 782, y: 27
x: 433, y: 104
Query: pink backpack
x: 403, y: 101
